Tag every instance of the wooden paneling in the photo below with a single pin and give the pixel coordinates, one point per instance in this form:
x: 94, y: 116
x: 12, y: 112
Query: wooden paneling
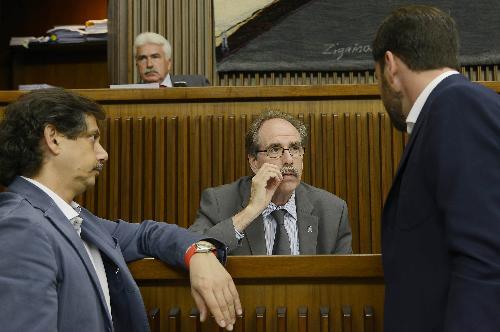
x: 165, y: 146
x: 306, y: 293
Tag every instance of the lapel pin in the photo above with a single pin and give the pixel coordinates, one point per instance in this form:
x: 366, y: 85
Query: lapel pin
x: 309, y: 229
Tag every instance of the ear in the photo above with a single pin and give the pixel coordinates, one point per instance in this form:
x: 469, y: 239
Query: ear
x: 169, y: 64
x: 254, y: 165
x: 52, y: 139
x: 392, y: 70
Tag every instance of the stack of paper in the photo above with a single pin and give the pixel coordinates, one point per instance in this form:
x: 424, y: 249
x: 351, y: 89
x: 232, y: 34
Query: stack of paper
x: 67, y: 34
x: 96, y: 29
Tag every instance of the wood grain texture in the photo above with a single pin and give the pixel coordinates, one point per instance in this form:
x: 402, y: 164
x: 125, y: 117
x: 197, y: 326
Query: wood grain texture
x: 282, y: 293
x: 166, y: 146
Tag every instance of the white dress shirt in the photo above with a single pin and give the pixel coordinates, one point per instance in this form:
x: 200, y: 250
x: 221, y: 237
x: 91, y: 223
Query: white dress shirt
x: 167, y: 82
x: 412, y: 117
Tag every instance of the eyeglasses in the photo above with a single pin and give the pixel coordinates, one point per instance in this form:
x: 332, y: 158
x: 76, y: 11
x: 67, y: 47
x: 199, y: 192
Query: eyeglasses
x: 276, y: 151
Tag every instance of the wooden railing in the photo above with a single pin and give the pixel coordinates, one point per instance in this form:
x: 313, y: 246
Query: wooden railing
x: 279, y: 293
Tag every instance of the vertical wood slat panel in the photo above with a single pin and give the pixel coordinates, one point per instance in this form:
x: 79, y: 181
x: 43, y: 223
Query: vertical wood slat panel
x: 195, y: 166
x: 154, y: 320
x: 194, y: 320
x: 281, y: 319
x: 206, y: 145
x: 159, y: 171
x: 368, y: 319
x: 260, y: 318
x: 174, y: 320
x: 126, y: 169
x: 148, y: 185
x: 182, y: 218
x: 324, y: 322
x: 364, y: 218
x: 302, y: 319
x: 218, y: 151
x: 346, y: 318
x: 375, y: 198
x: 240, y: 322
x: 352, y: 180
x: 137, y: 168
x: 171, y: 169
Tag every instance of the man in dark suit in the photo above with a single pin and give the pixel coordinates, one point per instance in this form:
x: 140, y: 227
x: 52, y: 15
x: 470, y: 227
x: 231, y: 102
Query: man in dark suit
x: 441, y: 220
x: 153, y: 58
x: 61, y: 267
x: 246, y: 213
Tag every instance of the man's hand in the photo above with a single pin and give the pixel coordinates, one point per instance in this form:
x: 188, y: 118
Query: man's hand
x: 213, y: 290
x: 264, y: 185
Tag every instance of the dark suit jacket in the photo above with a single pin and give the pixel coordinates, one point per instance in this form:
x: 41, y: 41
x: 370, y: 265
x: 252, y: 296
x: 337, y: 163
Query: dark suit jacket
x: 191, y: 80
x: 441, y: 221
x: 317, y: 210
x: 47, y: 281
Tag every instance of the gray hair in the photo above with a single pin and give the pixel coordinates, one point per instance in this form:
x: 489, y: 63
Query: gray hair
x: 153, y: 38
x: 252, y: 136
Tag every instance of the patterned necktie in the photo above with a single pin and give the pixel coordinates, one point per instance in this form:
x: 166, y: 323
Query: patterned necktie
x: 281, y: 244
x: 77, y: 224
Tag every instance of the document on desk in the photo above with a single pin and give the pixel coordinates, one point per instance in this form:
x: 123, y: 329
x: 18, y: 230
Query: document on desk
x: 135, y: 86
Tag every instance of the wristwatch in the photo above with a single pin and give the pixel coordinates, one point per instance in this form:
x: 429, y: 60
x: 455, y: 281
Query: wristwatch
x: 199, y: 247
x: 204, y: 246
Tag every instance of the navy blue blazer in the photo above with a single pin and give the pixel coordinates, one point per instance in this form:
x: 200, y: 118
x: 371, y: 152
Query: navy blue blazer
x: 441, y: 220
x: 47, y: 281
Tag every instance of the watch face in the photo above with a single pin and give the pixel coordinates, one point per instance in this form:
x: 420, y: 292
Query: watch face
x: 204, y: 246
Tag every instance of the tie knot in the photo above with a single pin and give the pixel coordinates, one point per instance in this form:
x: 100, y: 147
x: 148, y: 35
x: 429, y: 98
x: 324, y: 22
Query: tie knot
x: 279, y: 215
x: 77, y: 223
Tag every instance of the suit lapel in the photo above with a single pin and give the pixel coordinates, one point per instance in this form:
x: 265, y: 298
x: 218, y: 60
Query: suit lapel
x: 254, y: 233
x: 307, y: 223
x: 60, y: 222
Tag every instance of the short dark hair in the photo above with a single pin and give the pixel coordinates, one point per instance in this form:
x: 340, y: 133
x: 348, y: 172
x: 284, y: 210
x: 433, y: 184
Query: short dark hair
x: 22, y: 127
x: 252, y: 135
x: 423, y: 37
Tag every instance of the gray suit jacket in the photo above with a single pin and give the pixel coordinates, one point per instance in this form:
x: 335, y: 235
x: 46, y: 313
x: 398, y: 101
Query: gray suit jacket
x: 317, y: 209
x: 47, y: 281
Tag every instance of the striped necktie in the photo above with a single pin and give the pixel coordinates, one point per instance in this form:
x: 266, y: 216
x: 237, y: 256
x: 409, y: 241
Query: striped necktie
x: 281, y: 244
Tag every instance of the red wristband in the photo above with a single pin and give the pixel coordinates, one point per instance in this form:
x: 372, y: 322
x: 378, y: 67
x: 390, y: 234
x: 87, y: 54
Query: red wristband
x: 189, y: 253
x: 193, y: 249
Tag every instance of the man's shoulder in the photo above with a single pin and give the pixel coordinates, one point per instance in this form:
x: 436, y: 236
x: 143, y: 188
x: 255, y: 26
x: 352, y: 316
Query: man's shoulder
x: 14, y: 206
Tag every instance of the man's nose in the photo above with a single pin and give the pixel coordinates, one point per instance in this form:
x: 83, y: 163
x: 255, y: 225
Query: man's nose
x: 149, y: 62
x: 286, y: 157
x: 101, y: 154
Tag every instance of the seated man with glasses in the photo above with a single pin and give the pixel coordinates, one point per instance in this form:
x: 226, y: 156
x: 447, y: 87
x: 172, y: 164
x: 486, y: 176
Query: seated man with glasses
x: 273, y: 212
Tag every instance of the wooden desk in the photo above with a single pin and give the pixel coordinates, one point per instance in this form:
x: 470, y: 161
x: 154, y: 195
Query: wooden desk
x: 350, y: 287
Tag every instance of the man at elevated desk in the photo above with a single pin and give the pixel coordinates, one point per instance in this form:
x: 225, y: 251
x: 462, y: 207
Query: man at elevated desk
x: 153, y: 58
x: 273, y: 212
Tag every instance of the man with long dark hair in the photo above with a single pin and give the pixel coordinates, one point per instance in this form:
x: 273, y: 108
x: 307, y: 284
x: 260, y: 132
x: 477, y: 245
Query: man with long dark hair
x: 61, y: 267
